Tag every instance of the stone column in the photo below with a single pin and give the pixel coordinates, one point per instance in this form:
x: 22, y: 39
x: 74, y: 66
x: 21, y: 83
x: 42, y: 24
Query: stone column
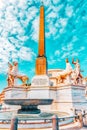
x: 14, y: 123
x: 80, y: 117
x: 55, y: 125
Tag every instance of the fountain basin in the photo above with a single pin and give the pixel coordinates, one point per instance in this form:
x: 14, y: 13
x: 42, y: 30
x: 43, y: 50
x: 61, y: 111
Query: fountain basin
x: 28, y: 106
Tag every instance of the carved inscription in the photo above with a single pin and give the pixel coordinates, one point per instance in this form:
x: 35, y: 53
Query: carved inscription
x: 40, y: 82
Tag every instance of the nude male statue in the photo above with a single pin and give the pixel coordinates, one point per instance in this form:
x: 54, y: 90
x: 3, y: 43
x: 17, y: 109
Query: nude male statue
x: 77, y: 74
x: 12, y: 72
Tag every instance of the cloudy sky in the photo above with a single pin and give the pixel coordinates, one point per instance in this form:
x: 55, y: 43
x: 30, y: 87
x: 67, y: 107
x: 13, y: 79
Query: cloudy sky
x: 65, y: 34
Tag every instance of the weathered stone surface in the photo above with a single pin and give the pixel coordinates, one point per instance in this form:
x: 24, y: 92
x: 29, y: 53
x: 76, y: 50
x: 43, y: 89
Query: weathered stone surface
x: 42, y: 80
x: 15, y: 93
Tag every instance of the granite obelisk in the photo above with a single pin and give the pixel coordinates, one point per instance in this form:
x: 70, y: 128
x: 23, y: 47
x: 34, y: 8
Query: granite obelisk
x: 41, y: 78
x: 41, y: 63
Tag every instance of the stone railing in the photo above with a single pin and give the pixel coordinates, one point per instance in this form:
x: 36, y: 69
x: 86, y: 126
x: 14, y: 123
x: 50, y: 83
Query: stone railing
x: 55, y: 122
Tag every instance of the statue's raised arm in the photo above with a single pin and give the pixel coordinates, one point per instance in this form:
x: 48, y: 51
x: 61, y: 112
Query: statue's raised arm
x: 73, y: 62
x: 10, y: 67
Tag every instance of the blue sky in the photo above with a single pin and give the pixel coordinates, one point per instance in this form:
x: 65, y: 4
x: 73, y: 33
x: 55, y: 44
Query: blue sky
x: 65, y: 34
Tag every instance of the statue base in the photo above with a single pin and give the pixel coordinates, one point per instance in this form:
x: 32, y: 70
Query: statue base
x: 40, y: 80
x: 15, y: 93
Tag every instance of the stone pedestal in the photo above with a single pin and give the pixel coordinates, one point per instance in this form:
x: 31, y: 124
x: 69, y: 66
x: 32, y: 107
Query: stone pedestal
x: 40, y: 88
x: 78, y: 97
x: 40, y: 80
x: 15, y: 93
x: 39, y: 92
x: 64, y: 99
x: 68, y: 98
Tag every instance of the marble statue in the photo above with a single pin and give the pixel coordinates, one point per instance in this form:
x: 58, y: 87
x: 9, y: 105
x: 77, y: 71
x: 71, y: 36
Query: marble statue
x: 68, y: 66
x: 76, y: 75
x: 12, y: 73
x: 23, y: 78
x: 65, y: 75
x: 70, y: 75
x: 77, y: 66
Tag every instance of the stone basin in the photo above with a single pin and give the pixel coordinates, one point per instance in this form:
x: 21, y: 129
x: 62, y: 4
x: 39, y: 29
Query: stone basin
x: 28, y: 106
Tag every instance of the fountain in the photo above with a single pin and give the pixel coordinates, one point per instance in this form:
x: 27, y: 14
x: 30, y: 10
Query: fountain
x: 39, y: 92
x: 28, y: 106
x: 58, y: 89
x: 25, y: 96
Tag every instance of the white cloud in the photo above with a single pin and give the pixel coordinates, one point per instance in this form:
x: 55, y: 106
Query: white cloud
x: 14, y: 55
x: 68, y: 51
x: 69, y: 54
x: 23, y: 38
x: 1, y: 4
x: 74, y: 54
x: 74, y: 39
x: 26, y: 54
x: 64, y: 48
x: 60, y: 6
x: 31, y: 14
x: 82, y: 48
x: 69, y: 11
x: 22, y: 3
x: 62, y: 24
x: 35, y: 29
x: 70, y: 46
x: 56, y: 1
x: 65, y: 55
x: 51, y: 32
x: 47, y: 2
x: 61, y: 30
x: 3, y: 67
x: 63, y: 21
x: 6, y: 49
x: 51, y: 60
x: 54, y: 9
x: 51, y: 15
x: 57, y: 53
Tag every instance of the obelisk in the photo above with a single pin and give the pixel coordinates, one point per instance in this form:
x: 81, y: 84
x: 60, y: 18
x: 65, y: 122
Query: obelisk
x: 41, y: 78
x: 41, y: 63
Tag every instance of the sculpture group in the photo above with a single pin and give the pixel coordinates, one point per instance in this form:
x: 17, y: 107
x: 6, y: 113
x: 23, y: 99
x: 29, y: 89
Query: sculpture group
x: 70, y: 75
x: 13, y: 75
